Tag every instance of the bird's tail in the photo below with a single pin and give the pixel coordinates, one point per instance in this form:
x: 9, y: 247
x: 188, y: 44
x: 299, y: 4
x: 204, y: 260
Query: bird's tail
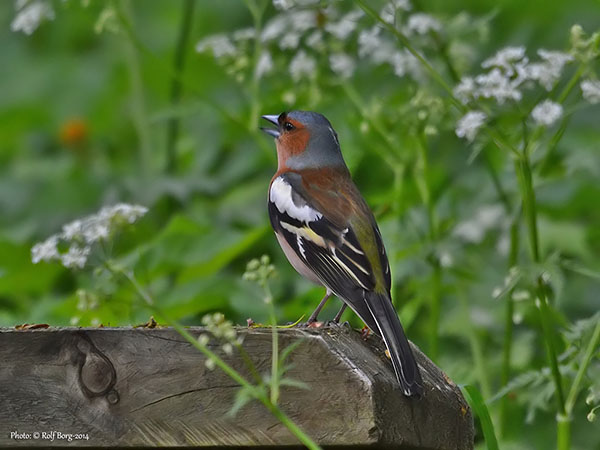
x: 390, y: 329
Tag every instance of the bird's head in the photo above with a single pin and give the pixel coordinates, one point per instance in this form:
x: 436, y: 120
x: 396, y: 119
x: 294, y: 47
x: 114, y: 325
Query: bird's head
x: 305, y: 140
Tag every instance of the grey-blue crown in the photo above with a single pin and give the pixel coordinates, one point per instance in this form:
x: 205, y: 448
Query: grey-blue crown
x: 309, y: 118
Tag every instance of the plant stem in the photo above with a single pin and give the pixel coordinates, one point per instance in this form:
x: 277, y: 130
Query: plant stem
x: 256, y: 10
x: 226, y: 368
x: 138, y: 106
x: 187, y: 13
x: 508, y: 324
x: 490, y: 130
x: 406, y: 43
x: 523, y: 169
x: 362, y: 108
x: 159, y: 64
x: 274, y: 345
x: 476, y: 350
x: 421, y: 170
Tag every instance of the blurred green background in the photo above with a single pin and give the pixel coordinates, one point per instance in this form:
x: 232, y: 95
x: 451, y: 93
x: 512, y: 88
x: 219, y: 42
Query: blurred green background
x: 84, y: 120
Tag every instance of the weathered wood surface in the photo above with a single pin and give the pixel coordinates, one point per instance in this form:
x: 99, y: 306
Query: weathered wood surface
x: 146, y: 387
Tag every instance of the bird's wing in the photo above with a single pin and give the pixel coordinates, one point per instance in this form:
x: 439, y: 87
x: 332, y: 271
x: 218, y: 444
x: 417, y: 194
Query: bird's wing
x: 342, y: 245
x: 325, y: 242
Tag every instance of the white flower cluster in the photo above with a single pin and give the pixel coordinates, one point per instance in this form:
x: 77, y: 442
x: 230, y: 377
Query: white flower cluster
x: 420, y: 23
x: 546, y: 113
x: 469, y: 125
x: 372, y: 46
x: 509, y: 70
x: 30, y: 14
x: 392, y: 9
x: 590, y: 89
x: 295, y: 29
x: 302, y: 66
x: 81, y: 234
x: 220, y: 44
x: 342, y: 65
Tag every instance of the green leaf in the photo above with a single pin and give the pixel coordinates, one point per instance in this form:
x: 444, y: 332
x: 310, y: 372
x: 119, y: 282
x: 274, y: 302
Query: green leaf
x: 478, y: 405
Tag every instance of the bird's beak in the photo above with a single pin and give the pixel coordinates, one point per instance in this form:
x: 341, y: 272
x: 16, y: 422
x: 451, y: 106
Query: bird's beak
x: 271, y: 131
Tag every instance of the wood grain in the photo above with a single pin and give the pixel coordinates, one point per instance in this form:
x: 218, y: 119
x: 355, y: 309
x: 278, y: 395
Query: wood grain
x: 148, y: 387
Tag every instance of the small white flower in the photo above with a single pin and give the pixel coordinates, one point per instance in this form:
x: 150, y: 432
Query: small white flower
x: 345, y: 26
x: 210, y: 364
x: 30, y: 15
x: 505, y: 59
x: 275, y: 28
x: 371, y: 46
x: 315, y: 39
x: 547, y: 113
x: 496, y: 292
x: 465, y: 90
x: 554, y: 58
x: 289, y: 40
x: 283, y: 5
x: 404, y: 63
x: 420, y: 23
x: 342, y: 65
x: 81, y: 234
x: 76, y: 257
x: 446, y: 259
x: 227, y: 348
x: 220, y: 45
x: 302, y: 65
x: 45, y: 251
x: 590, y: 89
x: 264, y: 65
x: 389, y: 11
x: 302, y: 20
x: 497, y: 85
x: 469, y: 124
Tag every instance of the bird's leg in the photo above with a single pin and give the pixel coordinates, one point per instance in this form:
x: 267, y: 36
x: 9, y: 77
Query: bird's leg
x: 315, y: 314
x: 338, y: 316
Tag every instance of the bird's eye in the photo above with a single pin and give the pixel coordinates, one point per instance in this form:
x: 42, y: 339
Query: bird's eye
x: 288, y: 126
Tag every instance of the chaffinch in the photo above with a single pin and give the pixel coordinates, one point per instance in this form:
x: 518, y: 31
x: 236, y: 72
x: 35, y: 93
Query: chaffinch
x: 329, y: 234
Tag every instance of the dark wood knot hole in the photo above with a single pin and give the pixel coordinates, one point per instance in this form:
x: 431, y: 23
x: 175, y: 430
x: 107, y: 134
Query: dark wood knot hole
x: 97, y: 375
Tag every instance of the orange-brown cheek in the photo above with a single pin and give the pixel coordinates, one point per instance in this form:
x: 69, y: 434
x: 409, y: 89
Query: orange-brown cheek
x: 290, y: 144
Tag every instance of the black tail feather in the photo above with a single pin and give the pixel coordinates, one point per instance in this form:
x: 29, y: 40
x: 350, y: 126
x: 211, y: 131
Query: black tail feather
x: 390, y: 329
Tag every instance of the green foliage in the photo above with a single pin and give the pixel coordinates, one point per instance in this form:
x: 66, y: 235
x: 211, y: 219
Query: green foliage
x: 478, y: 405
x: 491, y: 223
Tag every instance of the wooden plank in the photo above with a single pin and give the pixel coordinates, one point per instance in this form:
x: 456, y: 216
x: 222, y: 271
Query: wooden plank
x: 146, y: 387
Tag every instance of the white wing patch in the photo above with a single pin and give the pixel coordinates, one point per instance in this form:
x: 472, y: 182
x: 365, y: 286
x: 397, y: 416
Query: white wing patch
x: 281, y: 196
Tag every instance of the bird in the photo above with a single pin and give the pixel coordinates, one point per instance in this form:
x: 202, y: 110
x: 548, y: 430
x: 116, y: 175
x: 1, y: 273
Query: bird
x: 329, y: 234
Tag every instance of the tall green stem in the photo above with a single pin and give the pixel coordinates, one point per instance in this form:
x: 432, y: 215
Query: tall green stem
x: 523, y: 169
x: 138, y: 104
x: 187, y: 13
x: 226, y: 368
x: 476, y: 349
x: 508, y: 323
x: 421, y: 170
x: 256, y: 9
x: 274, y: 345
